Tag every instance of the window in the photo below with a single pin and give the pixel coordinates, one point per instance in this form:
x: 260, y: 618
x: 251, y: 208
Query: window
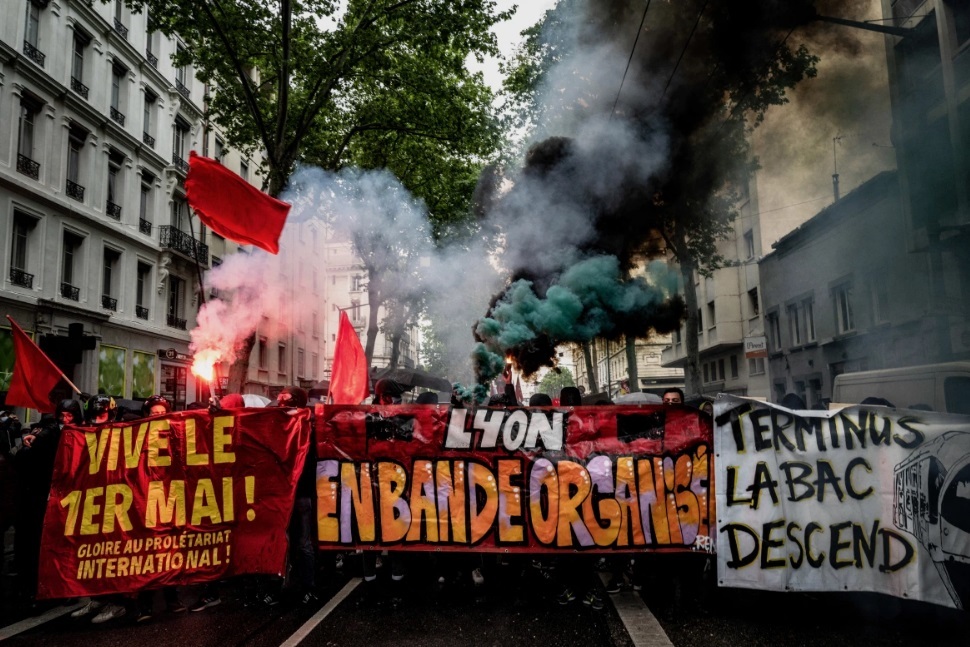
x: 794, y: 326
x: 356, y: 283
x: 118, y: 74
x: 711, y: 320
x: 180, y: 142
x: 315, y: 365
x: 281, y: 358
x: 749, y: 244
x: 808, y: 311
x: 880, y: 300
x: 720, y: 368
x: 19, y: 250
x: 32, y: 33
x: 70, y: 260
x: 29, y: 108
x: 707, y: 373
x: 181, y: 72
x: 314, y: 325
x: 176, y: 302
x: 355, y: 310
x: 300, y: 363
x: 115, y: 160
x: 80, y: 43
x: 843, y: 309
x: 145, y: 204
x: 180, y: 213
x: 756, y: 366
x: 109, y: 274
x: 753, y: 302
x: 261, y: 352
x: 734, y: 366
x: 219, y: 150
x: 774, y: 332
x: 700, y: 322
x: 244, y: 171
x: 75, y: 150
x: 148, y: 118
x: 142, y: 287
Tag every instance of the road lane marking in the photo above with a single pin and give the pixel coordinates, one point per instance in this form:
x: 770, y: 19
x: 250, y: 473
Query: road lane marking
x: 318, y: 617
x: 25, y: 625
x: 641, y: 625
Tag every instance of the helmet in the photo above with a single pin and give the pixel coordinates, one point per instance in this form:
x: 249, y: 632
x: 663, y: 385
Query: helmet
x: 154, y: 401
x: 297, y: 397
x: 71, y: 406
x: 99, y: 404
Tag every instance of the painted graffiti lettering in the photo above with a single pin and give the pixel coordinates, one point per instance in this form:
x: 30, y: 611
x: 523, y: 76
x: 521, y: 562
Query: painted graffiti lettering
x: 517, y: 429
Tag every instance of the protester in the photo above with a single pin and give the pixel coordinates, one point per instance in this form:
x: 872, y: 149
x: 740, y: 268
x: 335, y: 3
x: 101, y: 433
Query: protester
x: 9, y: 446
x: 673, y: 395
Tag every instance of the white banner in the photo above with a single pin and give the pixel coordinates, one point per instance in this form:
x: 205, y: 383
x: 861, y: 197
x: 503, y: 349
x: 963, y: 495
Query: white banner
x: 860, y: 499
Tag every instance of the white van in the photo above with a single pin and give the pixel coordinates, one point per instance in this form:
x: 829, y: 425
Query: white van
x: 943, y: 387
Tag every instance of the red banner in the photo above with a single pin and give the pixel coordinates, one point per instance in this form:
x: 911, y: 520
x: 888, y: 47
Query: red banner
x: 538, y: 479
x: 177, y: 499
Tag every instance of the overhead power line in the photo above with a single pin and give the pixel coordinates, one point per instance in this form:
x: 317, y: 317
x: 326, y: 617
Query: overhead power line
x: 630, y: 60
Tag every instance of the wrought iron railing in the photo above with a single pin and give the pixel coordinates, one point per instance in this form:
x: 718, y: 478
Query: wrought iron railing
x: 121, y: 29
x: 79, y: 87
x: 71, y: 292
x: 152, y: 59
x: 21, y: 278
x: 113, y: 210
x: 34, y: 54
x: 141, y: 312
x: 75, y: 190
x: 176, y: 239
x: 180, y: 164
x: 148, y: 139
x: 109, y: 303
x: 27, y: 166
x: 175, y: 322
x: 117, y: 115
x: 184, y: 91
x: 145, y: 226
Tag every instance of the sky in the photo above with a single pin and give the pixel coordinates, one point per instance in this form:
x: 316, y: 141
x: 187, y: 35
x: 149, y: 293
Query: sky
x: 529, y: 12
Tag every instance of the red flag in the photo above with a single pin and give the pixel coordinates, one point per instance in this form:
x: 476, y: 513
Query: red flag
x: 34, y: 374
x: 348, y: 379
x: 232, y: 207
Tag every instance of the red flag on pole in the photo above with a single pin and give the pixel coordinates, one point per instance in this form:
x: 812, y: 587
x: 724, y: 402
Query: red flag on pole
x: 348, y: 379
x: 34, y: 374
x: 232, y: 207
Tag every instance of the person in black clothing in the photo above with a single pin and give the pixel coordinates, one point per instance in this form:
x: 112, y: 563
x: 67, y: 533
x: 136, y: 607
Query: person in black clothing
x: 302, y: 528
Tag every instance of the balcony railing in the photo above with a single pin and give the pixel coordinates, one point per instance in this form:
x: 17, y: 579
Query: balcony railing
x: 109, y: 303
x: 184, y: 91
x: 145, y: 226
x: 27, y: 166
x: 175, y: 322
x: 71, y: 292
x: 113, y: 210
x: 180, y: 164
x: 176, y: 239
x: 21, y: 278
x: 75, y: 190
x: 121, y: 29
x: 34, y: 54
x: 79, y: 87
x: 117, y: 115
x: 141, y: 312
x: 152, y: 59
x: 148, y: 139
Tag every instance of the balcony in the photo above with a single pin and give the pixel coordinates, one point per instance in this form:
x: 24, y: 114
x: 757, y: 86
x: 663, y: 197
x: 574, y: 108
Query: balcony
x: 180, y: 164
x: 27, y: 166
x: 184, y: 91
x: 117, y: 116
x: 148, y: 139
x: 175, y: 322
x: 183, y: 243
x: 109, y: 303
x: 121, y: 29
x: 145, y: 226
x: 71, y: 292
x: 74, y: 190
x: 113, y: 210
x: 21, y: 278
x: 141, y: 312
x: 152, y: 59
x: 79, y: 87
x: 34, y: 54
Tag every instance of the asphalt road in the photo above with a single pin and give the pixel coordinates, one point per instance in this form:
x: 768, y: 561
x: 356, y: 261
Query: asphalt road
x: 518, y: 605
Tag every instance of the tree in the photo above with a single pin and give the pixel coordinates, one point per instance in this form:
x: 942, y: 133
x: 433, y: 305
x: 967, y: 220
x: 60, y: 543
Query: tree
x: 704, y: 86
x: 554, y: 381
x: 371, y: 83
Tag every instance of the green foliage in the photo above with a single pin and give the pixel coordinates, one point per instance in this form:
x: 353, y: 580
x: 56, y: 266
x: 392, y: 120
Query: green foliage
x: 554, y: 381
x: 111, y: 370
x: 142, y: 374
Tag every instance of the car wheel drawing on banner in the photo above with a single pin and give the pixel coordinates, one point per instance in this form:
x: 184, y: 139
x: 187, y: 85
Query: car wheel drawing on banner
x: 932, y: 503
